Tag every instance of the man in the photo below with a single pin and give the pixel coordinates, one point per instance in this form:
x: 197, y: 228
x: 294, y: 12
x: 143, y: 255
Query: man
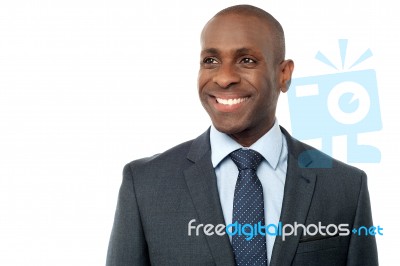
x: 244, y: 170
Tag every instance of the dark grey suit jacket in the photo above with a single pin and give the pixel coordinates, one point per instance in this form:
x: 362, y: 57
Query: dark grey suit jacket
x: 161, y: 194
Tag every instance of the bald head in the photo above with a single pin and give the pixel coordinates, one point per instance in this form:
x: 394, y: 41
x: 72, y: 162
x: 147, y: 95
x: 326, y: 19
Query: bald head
x: 275, y: 28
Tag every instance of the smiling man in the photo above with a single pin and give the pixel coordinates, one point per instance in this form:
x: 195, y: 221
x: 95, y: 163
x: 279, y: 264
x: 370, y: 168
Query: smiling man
x: 244, y: 172
x: 242, y: 72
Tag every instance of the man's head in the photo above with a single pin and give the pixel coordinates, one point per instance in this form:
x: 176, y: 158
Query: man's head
x: 243, y: 71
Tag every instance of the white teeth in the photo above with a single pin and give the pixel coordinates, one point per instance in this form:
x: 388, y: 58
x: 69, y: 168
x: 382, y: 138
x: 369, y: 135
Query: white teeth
x: 231, y: 101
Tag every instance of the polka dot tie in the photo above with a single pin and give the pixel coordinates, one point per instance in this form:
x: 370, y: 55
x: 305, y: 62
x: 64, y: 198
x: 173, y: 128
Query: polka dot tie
x: 248, y: 208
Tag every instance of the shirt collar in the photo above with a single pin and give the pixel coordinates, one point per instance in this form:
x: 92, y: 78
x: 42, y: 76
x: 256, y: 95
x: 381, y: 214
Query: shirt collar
x: 269, y: 145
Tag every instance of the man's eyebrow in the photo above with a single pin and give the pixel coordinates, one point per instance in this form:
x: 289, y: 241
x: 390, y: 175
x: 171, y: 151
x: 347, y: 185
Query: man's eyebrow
x: 212, y: 51
x: 237, y: 52
x: 243, y: 51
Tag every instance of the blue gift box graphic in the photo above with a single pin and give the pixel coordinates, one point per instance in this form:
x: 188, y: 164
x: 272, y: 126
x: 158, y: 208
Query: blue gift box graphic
x: 344, y: 103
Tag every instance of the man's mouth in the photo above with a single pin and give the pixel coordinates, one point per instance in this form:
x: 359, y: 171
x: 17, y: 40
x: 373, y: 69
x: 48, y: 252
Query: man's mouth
x: 231, y: 101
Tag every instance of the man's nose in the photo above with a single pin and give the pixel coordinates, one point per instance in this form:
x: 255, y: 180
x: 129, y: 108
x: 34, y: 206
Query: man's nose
x: 226, y: 76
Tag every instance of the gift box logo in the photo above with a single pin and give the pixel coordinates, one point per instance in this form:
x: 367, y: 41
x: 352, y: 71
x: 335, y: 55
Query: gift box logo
x: 343, y: 103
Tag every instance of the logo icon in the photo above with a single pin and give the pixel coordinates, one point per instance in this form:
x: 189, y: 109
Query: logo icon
x: 343, y: 103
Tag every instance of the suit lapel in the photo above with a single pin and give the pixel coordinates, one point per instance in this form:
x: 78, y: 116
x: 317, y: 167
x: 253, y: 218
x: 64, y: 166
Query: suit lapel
x: 202, y: 185
x: 298, y: 192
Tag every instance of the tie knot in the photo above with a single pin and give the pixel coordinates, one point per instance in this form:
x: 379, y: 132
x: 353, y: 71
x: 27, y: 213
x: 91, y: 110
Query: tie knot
x: 246, y: 159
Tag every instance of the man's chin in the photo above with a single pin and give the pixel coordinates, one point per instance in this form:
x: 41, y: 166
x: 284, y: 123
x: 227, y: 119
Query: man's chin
x: 229, y: 128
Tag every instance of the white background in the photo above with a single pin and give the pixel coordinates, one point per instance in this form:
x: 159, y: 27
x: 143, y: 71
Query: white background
x: 87, y: 86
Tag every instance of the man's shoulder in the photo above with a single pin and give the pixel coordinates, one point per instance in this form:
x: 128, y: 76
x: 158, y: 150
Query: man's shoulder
x: 333, y: 177
x: 169, y: 157
x: 312, y: 158
x: 174, y: 159
x: 322, y: 160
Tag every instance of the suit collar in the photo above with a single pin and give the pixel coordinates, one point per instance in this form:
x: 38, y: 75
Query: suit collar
x: 202, y: 185
x: 298, y: 192
x: 199, y: 147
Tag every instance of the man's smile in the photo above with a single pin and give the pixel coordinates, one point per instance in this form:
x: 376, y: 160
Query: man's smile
x: 227, y: 104
x: 231, y: 101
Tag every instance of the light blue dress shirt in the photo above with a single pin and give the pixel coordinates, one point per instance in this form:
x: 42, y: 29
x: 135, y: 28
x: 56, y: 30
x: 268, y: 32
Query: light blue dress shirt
x: 271, y: 172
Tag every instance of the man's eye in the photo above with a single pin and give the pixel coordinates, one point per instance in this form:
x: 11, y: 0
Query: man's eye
x: 210, y: 60
x: 247, y: 61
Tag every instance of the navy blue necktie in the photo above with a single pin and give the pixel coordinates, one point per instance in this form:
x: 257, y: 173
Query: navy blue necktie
x: 248, y: 208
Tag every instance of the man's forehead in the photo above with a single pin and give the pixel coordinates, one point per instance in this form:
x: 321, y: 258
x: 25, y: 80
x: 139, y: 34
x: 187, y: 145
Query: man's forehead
x: 233, y: 20
x: 234, y: 27
x: 234, y: 35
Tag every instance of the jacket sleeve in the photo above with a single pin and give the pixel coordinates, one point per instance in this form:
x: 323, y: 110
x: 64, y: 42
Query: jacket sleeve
x: 362, y: 248
x: 127, y: 244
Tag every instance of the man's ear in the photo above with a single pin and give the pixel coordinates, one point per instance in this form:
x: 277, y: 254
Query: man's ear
x: 286, y: 70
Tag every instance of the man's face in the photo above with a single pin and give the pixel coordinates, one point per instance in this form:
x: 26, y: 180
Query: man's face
x: 239, y: 80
